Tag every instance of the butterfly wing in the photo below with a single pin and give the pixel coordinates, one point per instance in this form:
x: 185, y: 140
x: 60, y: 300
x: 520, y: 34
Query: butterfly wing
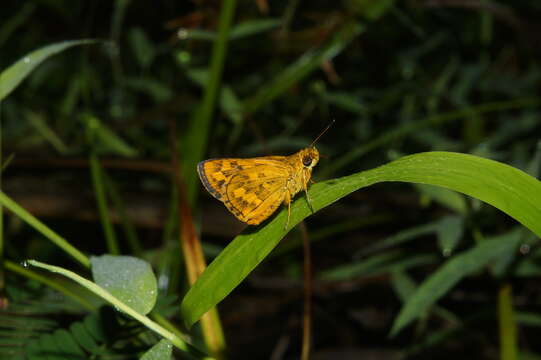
x: 252, y: 189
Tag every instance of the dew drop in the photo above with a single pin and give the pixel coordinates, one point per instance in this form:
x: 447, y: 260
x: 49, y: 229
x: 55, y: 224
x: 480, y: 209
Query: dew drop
x: 27, y: 60
x: 25, y: 264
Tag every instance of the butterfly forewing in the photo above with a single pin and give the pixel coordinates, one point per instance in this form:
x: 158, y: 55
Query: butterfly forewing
x: 252, y: 189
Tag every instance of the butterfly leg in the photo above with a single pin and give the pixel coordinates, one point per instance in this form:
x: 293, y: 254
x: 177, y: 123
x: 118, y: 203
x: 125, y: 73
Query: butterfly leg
x: 306, y: 192
x: 287, y: 201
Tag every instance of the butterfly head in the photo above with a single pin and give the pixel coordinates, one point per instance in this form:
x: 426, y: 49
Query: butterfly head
x: 309, y: 157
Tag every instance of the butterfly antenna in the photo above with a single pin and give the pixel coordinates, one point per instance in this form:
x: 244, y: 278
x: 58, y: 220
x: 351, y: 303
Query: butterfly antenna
x: 323, y: 132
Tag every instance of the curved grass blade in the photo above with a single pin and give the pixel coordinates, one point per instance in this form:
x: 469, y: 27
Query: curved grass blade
x: 11, y: 77
x: 448, y: 275
x: 506, y: 188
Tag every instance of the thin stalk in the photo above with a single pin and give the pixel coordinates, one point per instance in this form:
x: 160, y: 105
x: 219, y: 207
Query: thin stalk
x: 508, y: 324
x: 197, y: 135
x: 101, y: 201
x: 307, y: 294
x: 43, y: 229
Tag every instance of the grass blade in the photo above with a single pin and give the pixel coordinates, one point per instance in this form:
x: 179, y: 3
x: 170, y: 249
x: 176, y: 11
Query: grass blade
x: 506, y: 188
x: 31, y: 220
x: 11, y: 77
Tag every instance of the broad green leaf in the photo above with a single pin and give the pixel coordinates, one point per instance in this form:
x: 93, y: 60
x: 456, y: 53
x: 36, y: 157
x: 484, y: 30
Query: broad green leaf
x: 161, y: 351
x: 451, y: 273
x: 129, y: 279
x: 506, y: 188
x: 11, y: 77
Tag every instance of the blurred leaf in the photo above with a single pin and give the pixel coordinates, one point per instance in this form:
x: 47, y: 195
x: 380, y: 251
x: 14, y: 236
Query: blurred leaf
x: 11, y: 77
x: 15, y: 21
x: 346, y: 101
x: 359, y: 268
x: 373, y: 10
x: 375, y: 265
x: 450, y: 230
x: 534, y: 167
x: 448, y: 198
x: 528, y: 318
x: 403, y: 285
x: 508, y: 189
x: 41, y: 126
x: 229, y: 102
x: 129, y: 279
x: 307, y: 63
x: 244, y: 29
x: 253, y: 27
x: 448, y: 275
x: 106, y: 141
x: 159, y: 91
x: 401, y: 237
x: 142, y: 46
x: 161, y: 351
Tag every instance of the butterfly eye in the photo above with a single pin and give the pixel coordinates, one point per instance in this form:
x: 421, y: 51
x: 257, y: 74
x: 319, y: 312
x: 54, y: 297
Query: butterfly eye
x: 307, y: 160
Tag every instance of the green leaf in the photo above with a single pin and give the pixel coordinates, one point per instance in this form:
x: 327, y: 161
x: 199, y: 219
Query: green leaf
x: 161, y: 351
x: 248, y: 28
x: 128, y: 278
x: 451, y: 273
x: 11, y: 77
x: 142, y: 47
x: 445, y: 197
x: 244, y: 29
x: 67, y: 343
x: 450, y: 230
x: 506, y: 188
x: 107, y: 141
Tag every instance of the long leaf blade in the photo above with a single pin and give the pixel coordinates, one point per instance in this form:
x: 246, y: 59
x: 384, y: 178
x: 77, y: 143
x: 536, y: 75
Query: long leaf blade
x: 11, y: 77
x: 506, y: 188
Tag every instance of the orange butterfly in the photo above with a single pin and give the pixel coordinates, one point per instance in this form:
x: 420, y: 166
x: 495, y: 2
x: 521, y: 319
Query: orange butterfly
x: 252, y: 189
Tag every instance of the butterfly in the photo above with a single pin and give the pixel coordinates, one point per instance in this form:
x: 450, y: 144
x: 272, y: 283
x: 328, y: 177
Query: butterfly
x: 252, y: 189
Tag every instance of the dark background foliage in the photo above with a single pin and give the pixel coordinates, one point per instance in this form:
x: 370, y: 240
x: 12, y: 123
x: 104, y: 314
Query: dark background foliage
x: 404, y: 77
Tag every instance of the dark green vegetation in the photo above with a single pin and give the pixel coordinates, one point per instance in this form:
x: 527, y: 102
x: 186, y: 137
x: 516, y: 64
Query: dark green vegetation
x: 107, y: 107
